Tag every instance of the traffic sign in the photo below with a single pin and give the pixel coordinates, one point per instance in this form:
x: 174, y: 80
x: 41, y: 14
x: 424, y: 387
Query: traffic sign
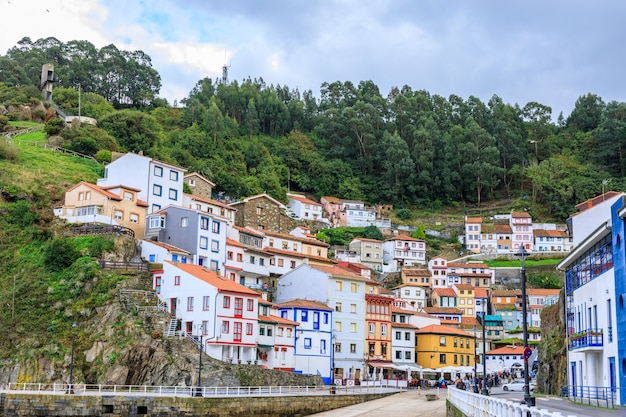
x: 527, y: 352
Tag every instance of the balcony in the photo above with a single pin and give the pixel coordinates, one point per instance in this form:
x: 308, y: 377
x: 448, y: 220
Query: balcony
x: 591, y: 339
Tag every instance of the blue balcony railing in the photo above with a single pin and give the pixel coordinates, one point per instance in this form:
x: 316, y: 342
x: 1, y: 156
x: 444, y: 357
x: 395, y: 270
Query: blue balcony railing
x: 586, y: 339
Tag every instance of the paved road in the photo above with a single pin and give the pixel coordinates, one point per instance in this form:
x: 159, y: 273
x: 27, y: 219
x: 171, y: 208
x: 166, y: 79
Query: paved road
x: 411, y: 403
x: 405, y: 404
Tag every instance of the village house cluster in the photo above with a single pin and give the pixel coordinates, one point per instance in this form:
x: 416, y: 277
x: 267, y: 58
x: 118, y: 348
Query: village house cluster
x: 250, y: 281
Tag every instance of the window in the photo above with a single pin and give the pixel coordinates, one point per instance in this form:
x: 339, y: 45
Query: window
x: 184, y: 222
x: 216, y: 227
x: 173, y: 175
x: 398, y: 335
x: 237, y: 329
x: 215, y: 246
x: 204, y: 223
x: 226, y: 302
x: 128, y: 196
x: 177, y: 280
x: 352, y: 347
x: 134, y: 218
x: 442, y: 358
x: 204, y: 242
x: 189, y: 303
x: 338, y: 285
x: 353, y: 287
x: 173, y: 194
x: 229, y: 255
x: 316, y: 320
x: 407, y: 336
x: 238, y: 306
x: 293, y: 265
x: 240, y: 257
x: 250, y: 305
x: 225, y: 327
x: 407, y: 354
x: 353, y: 308
x: 156, y: 190
x: 398, y: 354
x: 259, y: 211
x: 383, y: 329
x: 261, y: 330
x: 118, y: 214
x: 280, y: 262
x: 442, y: 341
x: 307, y: 343
x: 249, y: 328
x: 338, y: 306
x: 158, y: 171
x: 372, y: 328
x: 337, y: 347
x: 304, y: 315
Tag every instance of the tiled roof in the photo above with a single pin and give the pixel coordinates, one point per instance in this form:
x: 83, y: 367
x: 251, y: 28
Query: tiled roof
x: 440, y: 329
x: 464, y: 287
x: 170, y: 248
x: 301, y: 303
x: 481, y: 293
x: 507, y: 350
x: 278, y: 320
x: 550, y: 233
x: 210, y: 277
x: 442, y: 310
x: 420, y: 272
x: 335, y: 270
x: 294, y: 238
x: 405, y: 237
x: 503, y: 228
x: 445, y: 292
x: 473, y: 220
x: 403, y: 325
x: 542, y: 291
x: 233, y: 242
x: 302, y: 199
x: 520, y: 214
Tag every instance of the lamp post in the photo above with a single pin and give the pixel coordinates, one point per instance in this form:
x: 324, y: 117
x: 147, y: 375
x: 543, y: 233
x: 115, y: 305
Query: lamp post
x: 484, y: 390
x: 70, y: 387
x: 527, y: 398
x: 198, y: 391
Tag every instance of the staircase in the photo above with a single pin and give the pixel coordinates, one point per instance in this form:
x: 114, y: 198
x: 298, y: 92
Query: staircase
x: 171, y: 330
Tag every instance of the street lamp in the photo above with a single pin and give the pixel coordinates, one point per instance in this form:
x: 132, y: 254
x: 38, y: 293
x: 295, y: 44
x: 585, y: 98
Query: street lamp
x: 527, y: 398
x: 198, y: 391
x: 482, y: 318
x: 70, y: 387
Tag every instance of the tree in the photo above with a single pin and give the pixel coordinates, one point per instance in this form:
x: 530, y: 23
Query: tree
x: 135, y: 131
x: 587, y: 113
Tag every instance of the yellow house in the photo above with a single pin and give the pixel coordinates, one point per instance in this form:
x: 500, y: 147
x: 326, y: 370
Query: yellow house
x: 465, y: 299
x: 112, y: 205
x: 438, y: 346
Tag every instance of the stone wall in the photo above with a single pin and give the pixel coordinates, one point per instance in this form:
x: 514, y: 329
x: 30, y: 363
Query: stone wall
x: 24, y: 405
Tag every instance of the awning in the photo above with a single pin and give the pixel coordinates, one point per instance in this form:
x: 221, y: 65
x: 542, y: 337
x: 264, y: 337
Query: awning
x: 382, y: 364
x: 264, y: 346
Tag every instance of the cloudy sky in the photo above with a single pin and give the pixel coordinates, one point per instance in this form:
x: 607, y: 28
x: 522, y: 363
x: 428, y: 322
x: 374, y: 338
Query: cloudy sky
x: 551, y: 52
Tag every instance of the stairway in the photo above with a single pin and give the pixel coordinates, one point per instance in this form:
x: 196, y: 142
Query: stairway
x: 171, y: 330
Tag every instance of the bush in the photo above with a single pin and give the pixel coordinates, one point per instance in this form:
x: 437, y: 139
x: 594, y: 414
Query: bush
x: 59, y: 254
x: 54, y: 126
x: 104, y: 156
x: 86, y: 146
x: 21, y: 215
x: 8, y: 151
x: 404, y: 214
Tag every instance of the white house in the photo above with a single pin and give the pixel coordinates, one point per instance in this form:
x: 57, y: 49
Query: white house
x: 313, y: 350
x: 342, y: 290
x: 404, y: 251
x: 160, y: 184
x: 205, y: 304
x: 158, y: 252
x: 216, y: 208
x: 403, y: 340
x: 275, y: 342
x: 305, y: 208
x: 595, y: 285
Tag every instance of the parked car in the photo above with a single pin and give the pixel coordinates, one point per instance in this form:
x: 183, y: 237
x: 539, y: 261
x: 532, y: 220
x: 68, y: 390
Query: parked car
x: 517, y: 386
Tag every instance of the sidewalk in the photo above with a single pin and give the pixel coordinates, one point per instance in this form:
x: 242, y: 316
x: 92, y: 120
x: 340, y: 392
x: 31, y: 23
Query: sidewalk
x: 406, y: 404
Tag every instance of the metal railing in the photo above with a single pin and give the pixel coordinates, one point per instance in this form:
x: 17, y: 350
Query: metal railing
x: 471, y: 404
x: 591, y: 395
x: 174, y: 391
x: 93, y: 229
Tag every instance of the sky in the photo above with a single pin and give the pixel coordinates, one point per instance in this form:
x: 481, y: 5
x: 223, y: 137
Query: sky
x: 550, y: 52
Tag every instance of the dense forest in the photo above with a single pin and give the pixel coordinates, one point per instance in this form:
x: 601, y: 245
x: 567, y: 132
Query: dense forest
x: 408, y: 148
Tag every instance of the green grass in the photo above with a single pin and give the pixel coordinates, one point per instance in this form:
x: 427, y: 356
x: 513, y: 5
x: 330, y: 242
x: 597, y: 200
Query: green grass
x: 516, y: 263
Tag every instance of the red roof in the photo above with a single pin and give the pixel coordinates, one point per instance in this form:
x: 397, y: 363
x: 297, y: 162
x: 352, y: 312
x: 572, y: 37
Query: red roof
x: 300, y: 303
x: 439, y: 329
x: 211, y: 278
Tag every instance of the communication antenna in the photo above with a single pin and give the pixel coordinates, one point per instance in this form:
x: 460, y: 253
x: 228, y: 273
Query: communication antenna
x: 225, y: 71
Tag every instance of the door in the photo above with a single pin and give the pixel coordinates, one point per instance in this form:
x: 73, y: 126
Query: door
x: 173, y: 302
x: 573, y: 372
x: 612, y: 376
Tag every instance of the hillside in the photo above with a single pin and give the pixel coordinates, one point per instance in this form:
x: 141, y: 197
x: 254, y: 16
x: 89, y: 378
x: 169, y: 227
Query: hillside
x: 50, y: 281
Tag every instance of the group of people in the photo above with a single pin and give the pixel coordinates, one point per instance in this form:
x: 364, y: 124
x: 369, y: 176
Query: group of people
x: 476, y: 384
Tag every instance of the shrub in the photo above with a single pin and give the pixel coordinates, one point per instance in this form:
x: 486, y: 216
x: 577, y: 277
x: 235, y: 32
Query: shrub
x: 104, y: 156
x: 59, y: 254
x: 21, y: 214
x: 86, y: 146
x: 54, y: 126
x: 404, y: 214
x: 8, y: 151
